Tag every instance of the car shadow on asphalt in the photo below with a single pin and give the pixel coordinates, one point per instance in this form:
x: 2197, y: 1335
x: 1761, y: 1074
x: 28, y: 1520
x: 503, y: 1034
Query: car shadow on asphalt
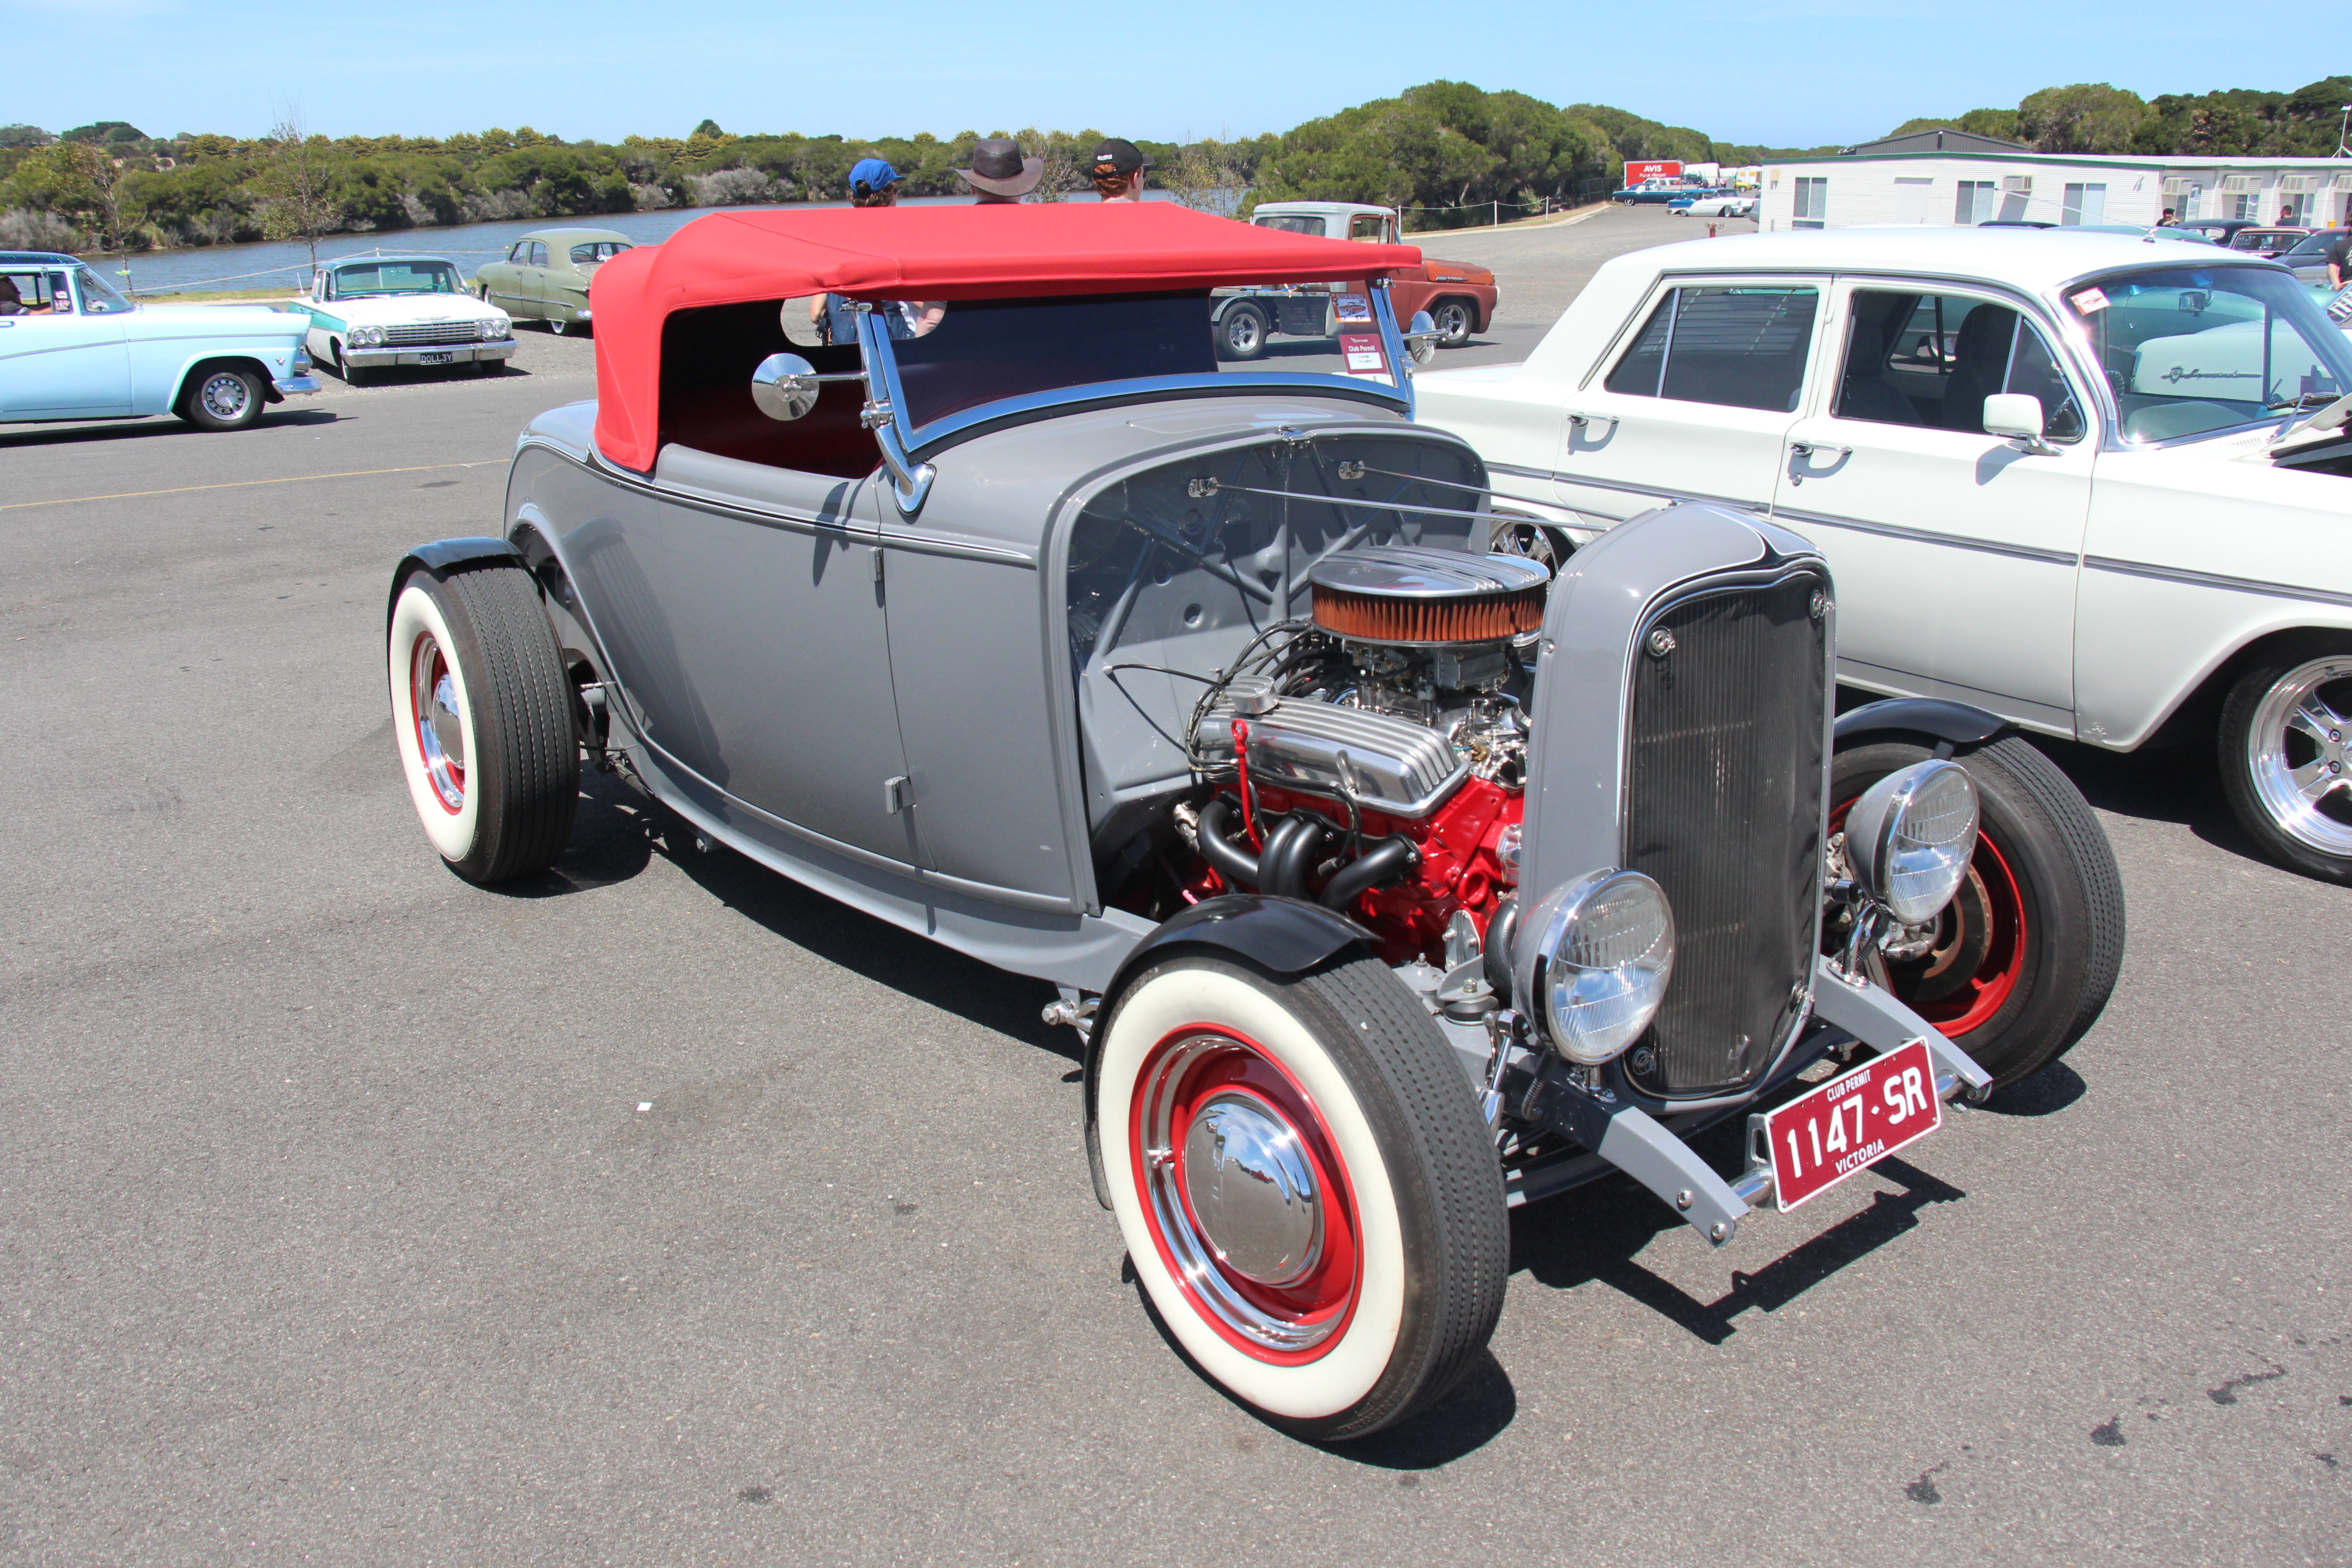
x: 618, y: 832
x: 157, y: 424
x: 1593, y: 1235
x: 2178, y: 783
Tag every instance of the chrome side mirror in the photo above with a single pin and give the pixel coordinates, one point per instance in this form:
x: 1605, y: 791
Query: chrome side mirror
x: 1421, y: 338
x: 785, y: 386
x: 2017, y: 417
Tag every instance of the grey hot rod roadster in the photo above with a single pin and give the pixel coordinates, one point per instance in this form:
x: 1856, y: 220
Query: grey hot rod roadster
x: 1391, y: 880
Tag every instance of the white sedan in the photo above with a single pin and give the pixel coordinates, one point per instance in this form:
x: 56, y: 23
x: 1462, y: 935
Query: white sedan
x: 1730, y: 204
x: 372, y: 312
x: 2096, y: 485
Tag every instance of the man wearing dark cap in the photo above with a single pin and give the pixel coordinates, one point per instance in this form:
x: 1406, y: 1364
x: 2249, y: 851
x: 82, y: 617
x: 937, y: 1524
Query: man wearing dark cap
x: 1116, y: 169
x: 1000, y: 174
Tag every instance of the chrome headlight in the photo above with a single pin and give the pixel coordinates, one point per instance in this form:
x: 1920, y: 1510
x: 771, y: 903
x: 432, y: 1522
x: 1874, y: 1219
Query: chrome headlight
x: 366, y: 337
x: 1910, y: 838
x: 1602, y: 963
x: 496, y: 327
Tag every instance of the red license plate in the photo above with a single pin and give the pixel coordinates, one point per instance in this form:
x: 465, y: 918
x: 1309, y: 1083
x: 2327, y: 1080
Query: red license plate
x: 1851, y: 1122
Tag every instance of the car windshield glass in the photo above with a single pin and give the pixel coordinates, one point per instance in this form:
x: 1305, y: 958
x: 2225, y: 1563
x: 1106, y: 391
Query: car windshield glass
x: 1293, y: 223
x: 362, y: 281
x: 2312, y: 244
x: 976, y: 352
x: 97, y: 298
x: 2192, y: 350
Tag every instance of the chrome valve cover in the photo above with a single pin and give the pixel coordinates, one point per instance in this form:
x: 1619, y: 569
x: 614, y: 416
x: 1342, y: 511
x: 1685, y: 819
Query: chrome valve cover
x: 1388, y: 764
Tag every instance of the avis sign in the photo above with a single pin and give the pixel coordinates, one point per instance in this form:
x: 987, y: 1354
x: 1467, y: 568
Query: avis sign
x: 1851, y: 1122
x: 1664, y: 169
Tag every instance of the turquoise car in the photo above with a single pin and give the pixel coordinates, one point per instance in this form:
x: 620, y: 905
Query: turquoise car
x: 72, y: 348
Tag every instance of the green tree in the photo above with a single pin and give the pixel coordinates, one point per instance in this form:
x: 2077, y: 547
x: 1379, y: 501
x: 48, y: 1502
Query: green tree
x: 2088, y: 117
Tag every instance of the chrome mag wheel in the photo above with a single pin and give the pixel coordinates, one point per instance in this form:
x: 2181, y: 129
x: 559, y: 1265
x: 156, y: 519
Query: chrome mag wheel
x: 2295, y: 754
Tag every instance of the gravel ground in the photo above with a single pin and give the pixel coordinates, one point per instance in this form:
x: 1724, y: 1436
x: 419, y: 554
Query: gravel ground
x: 658, y: 1212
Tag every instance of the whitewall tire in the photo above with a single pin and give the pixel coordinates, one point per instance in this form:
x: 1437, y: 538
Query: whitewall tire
x: 1306, y: 1191
x: 481, y: 712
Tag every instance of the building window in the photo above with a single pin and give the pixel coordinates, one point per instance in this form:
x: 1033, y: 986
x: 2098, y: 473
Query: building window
x: 2084, y: 204
x: 1812, y: 202
x: 1975, y: 203
x: 2294, y: 208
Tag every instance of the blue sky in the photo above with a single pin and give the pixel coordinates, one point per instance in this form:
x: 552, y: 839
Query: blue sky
x: 1798, y: 73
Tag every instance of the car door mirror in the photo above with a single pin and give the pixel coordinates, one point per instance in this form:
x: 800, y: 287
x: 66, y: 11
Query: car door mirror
x: 785, y: 386
x: 2016, y: 416
x: 1421, y: 338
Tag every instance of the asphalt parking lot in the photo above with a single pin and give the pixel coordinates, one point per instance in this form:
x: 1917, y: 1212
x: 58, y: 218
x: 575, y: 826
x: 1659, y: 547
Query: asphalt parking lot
x: 657, y: 1212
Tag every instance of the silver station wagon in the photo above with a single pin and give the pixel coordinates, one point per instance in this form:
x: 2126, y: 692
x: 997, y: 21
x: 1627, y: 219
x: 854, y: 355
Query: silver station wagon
x: 1390, y: 879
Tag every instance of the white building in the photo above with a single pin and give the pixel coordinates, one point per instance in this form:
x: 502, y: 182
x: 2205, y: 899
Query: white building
x: 1953, y: 177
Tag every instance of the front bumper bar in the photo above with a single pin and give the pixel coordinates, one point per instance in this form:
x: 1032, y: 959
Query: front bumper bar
x: 1635, y: 1143
x: 295, y: 385
x: 415, y: 353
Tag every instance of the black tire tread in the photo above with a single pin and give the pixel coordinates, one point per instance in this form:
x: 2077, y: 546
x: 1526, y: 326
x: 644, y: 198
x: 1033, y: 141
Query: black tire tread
x: 528, y: 765
x: 1442, y: 1125
x: 2070, y: 816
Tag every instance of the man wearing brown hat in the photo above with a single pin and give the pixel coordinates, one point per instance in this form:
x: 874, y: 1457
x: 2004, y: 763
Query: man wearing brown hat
x: 999, y: 173
x: 1116, y: 169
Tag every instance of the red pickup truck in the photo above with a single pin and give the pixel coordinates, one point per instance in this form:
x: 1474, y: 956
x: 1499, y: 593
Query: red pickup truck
x: 1458, y: 296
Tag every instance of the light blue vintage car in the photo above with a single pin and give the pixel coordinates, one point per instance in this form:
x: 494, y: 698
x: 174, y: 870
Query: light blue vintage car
x: 72, y: 348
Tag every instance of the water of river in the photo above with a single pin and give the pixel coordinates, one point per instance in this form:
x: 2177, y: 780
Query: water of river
x: 469, y: 245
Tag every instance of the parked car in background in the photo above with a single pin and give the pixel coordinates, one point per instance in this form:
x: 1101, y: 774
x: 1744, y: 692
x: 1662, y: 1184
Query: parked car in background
x: 1459, y: 296
x: 370, y: 313
x: 1658, y: 192
x: 544, y: 276
x: 2268, y: 243
x: 2219, y: 230
x: 1721, y: 203
x: 2307, y: 258
x: 1362, y: 857
x: 2059, y: 475
x: 72, y: 348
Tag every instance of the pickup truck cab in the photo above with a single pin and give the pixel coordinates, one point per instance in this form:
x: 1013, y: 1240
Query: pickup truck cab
x: 2095, y: 484
x: 1458, y: 297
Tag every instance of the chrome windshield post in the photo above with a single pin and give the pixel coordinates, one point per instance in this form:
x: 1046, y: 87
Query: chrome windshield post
x: 910, y: 482
x: 1392, y: 342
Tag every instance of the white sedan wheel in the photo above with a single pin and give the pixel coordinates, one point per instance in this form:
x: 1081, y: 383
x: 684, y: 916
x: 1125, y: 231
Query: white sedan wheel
x: 1289, y: 1234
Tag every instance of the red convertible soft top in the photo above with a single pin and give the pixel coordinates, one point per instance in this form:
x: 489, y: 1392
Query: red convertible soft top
x: 924, y: 253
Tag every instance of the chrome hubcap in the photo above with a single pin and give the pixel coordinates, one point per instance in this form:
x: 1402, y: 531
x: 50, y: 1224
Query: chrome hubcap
x: 1245, y: 1210
x: 1250, y: 1188
x: 2296, y: 754
x: 225, y: 396
x: 440, y: 727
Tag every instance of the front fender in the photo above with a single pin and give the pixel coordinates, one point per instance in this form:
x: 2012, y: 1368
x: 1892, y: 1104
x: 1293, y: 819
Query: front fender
x: 1954, y: 724
x: 444, y: 556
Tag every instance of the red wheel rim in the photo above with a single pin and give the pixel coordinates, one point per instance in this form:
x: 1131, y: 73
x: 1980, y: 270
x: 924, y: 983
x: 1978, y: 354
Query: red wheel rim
x: 440, y: 732
x: 1966, y: 1002
x: 1285, y: 1313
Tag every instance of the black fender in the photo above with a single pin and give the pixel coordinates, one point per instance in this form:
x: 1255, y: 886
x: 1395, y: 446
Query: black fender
x: 444, y: 556
x: 1287, y: 936
x: 1953, y: 723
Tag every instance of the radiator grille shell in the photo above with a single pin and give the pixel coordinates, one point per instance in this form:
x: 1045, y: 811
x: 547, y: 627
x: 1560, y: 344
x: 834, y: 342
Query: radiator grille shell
x: 414, y: 334
x: 1724, y: 785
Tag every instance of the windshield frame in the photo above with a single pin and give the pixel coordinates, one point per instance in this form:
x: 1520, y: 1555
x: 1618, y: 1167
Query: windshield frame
x: 965, y: 423
x: 2076, y: 328
x: 334, y: 271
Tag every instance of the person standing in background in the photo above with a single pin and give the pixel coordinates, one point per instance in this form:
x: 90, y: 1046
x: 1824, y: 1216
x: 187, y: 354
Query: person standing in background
x: 2339, y: 258
x: 872, y: 183
x: 999, y: 173
x: 1116, y: 169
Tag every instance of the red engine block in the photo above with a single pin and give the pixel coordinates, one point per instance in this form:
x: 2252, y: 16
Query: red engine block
x: 1459, y: 866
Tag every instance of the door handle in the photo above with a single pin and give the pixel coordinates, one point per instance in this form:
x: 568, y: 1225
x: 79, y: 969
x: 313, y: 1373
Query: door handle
x: 1580, y: 419
x: 1818, y: 448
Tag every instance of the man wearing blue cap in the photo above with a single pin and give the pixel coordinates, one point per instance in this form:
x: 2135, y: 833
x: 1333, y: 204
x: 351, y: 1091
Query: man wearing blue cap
x: 872, y: 183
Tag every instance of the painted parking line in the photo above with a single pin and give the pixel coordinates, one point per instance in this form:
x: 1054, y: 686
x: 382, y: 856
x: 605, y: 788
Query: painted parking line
x: 244, y: 484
